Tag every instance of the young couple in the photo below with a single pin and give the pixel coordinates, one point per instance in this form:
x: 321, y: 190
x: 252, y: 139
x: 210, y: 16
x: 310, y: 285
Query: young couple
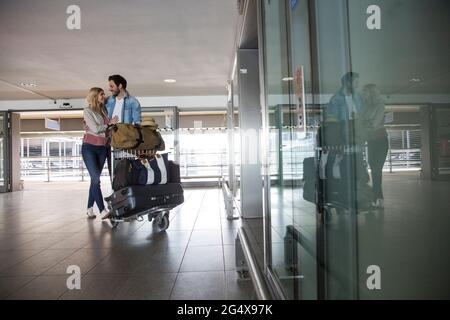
x: 99, y: 116
x: 368, y: 106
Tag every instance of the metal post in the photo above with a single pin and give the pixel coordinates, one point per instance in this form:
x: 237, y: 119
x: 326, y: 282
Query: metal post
x: 186, y: 165
x: 48, y: 169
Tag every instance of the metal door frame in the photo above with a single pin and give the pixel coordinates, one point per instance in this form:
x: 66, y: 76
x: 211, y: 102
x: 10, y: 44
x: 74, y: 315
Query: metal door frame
x: 6, y: 135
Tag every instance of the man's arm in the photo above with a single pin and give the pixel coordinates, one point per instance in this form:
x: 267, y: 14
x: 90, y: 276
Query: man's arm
x: 136, y: 112
x: 108, y: 107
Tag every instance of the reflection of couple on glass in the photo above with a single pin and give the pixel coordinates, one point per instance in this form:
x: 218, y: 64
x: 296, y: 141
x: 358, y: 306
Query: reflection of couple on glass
x: 366, y: 108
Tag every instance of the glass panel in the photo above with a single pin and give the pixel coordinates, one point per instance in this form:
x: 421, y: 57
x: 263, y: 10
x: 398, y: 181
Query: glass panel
x: 404, y: 72
x: 383, y: 84
x: 302, y: 150
x: 291, y: 144
x: 203, y: 153
x: 277, y: 103
x: 442, y: 141
x: 236, y: 142
x: 341, y: 168
x: 53, y: 157
x: 2, y: 151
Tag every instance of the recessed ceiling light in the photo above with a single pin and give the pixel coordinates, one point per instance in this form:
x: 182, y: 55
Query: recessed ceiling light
x: 170, y: 81
x: 28, y: 84
x: 287, y: 79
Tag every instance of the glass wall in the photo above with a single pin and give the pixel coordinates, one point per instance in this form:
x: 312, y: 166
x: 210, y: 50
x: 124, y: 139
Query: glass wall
x: 53, y: 157
x: 357, y: 96
x: 203, y: 153
x: 404, y: 63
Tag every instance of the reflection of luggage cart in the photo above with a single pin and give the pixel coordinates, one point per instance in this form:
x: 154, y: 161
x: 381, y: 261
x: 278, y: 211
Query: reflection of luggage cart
x: 337, y: 177
x: 154, y: 201
x: 343, y: 180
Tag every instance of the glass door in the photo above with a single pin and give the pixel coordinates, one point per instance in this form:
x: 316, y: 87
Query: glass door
x: 4, y: 154
x: 290, y: 127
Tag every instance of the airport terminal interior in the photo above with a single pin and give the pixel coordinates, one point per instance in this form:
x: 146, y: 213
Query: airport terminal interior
x: 312, y: 138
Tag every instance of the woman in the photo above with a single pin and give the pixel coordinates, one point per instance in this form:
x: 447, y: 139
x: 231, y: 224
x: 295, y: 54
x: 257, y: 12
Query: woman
x: 377, y: 138
x: 95, y: 147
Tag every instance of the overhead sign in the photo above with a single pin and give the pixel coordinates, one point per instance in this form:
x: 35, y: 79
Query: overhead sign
x: 52, y: 124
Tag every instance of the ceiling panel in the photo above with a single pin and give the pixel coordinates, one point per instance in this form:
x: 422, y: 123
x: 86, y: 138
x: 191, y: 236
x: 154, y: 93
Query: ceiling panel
x: 145, y: 41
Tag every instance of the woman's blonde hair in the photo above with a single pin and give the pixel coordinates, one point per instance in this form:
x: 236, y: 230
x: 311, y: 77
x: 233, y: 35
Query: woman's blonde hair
x: 372, y: 95
x: 92, y: 100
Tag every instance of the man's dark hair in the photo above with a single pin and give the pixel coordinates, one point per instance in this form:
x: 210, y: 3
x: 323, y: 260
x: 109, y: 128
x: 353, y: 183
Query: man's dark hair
x: 118, y: 79
x: 348, y: 78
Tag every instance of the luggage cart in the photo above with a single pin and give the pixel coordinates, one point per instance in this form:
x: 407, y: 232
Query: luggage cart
x: 158, y: 214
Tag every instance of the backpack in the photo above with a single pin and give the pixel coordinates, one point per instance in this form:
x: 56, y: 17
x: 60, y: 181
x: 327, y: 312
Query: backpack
x: 129, y: 173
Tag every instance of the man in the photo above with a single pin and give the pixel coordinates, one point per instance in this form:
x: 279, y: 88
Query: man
x: 121, y: 105
x: 347, y: 103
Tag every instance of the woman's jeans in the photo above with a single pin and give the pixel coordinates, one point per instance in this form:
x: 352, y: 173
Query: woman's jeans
x: 377, y: 149
x: 94, y: 158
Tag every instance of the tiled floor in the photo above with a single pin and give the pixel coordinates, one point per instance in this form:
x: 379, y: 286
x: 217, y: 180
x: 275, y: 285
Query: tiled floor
x: 408, y: 240
x: 43, y: 231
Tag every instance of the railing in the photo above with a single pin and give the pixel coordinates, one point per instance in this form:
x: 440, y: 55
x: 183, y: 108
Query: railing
x: 55, y: 168
x: 200, y: 164
x: 193, y: 165
x: 403, y: 160
x: 197, y: 165
x: 396, y: 160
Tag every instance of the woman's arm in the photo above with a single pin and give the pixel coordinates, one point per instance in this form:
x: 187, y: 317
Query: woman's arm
x: 378, y: 117
x: 92, y: 124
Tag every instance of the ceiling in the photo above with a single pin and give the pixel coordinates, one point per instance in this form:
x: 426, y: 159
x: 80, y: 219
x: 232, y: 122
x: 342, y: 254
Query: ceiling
x: 191, y: 41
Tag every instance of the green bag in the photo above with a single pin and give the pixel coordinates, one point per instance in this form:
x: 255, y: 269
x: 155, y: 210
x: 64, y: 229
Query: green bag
x: 134, y: 137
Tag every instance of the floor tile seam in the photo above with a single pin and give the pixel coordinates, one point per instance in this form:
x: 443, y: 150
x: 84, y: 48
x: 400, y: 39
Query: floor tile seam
x: 21, y: 287
x: 187, y: 246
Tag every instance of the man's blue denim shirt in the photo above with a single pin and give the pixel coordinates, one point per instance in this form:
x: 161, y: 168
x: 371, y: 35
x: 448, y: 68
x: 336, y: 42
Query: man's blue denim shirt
x: 131, y: 111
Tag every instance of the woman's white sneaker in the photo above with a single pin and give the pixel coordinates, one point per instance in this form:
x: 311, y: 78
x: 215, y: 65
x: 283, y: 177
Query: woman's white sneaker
x: 90, y: 213
x: 105, y: 214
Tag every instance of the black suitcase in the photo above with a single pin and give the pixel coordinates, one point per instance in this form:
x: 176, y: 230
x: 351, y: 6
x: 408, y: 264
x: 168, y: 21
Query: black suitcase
x: 140, y: 200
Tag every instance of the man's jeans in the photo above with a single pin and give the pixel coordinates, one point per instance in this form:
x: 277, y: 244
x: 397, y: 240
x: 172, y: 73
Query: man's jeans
x: 94, y: 158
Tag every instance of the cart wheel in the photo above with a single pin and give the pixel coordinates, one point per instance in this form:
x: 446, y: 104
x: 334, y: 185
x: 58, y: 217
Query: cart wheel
x: 114, y: 223
x: 163, y: 222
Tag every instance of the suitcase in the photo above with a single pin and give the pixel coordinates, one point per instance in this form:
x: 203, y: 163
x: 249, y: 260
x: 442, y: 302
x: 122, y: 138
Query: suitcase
x: 140, y: 200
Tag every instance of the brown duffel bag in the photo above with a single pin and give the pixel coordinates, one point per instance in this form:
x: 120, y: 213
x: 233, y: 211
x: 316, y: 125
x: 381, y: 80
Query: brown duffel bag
x: 128, y: 136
